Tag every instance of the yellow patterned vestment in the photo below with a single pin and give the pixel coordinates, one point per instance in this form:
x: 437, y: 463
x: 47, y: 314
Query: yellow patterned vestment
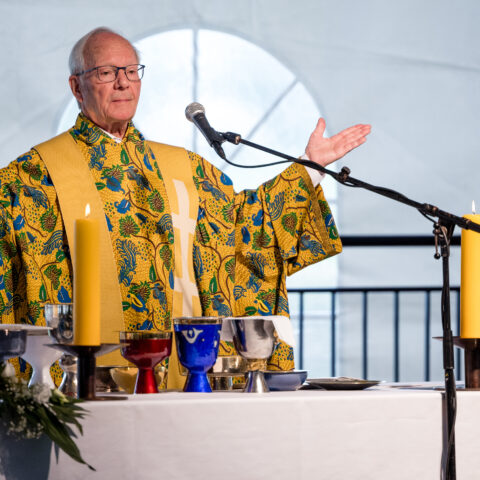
x: 245, y: 244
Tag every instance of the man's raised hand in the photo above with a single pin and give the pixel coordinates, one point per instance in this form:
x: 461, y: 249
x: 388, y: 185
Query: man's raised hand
x: 324, y: 151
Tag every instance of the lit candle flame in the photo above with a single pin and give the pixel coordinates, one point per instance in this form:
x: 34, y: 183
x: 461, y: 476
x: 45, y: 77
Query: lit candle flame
x: 87, y: 210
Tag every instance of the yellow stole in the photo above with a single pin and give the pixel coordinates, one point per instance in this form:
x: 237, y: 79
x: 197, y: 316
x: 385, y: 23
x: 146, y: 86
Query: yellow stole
x: 182, y: 196
x: 68, y: 169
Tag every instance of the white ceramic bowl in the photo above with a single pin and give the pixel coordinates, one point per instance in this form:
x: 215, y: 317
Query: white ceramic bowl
x: 285, y: 381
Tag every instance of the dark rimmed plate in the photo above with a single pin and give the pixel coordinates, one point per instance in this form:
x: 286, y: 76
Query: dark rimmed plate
x: 340, y: 383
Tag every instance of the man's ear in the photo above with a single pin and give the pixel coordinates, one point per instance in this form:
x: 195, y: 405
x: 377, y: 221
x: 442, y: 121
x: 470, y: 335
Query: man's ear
x: 75, y: 87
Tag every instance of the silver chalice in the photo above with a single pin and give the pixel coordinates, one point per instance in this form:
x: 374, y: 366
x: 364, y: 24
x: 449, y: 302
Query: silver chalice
x: 60, y: 319
x: 254, y: 339
x: 12, y: 341
x: 224, y: 370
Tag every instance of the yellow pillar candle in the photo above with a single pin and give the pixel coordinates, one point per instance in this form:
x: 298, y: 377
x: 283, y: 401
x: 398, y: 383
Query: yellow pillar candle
x: 86, y: 282
x: 470, y: 281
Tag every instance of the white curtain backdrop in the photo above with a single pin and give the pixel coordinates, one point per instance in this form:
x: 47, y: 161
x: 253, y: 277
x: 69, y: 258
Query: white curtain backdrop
x: 409, y: 68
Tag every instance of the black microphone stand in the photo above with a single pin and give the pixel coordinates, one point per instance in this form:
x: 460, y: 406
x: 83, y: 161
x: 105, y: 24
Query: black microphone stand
x: 443, y: 231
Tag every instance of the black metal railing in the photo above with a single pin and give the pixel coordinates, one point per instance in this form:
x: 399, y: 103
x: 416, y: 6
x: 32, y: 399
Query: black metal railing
x: 336, y: 293
x: 393, y: 240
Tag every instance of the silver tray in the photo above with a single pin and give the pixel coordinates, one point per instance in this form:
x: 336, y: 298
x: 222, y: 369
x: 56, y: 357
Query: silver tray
x: 339, y: 383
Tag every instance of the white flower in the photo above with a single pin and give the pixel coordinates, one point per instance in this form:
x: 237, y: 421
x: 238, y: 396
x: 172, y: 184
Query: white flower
x: 58, y: 395
x: 8, y: 370
x: 41, y: 393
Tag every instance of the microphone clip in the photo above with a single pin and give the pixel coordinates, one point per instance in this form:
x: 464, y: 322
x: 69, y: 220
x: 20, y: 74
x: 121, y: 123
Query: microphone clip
x: 231, y: 137
x: 343, y: 175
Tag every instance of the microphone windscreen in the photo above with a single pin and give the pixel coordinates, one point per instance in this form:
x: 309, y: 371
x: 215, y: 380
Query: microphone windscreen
x: 193, y: 109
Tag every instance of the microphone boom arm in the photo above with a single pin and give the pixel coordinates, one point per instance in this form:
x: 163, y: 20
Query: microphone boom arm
x: 344, y: 178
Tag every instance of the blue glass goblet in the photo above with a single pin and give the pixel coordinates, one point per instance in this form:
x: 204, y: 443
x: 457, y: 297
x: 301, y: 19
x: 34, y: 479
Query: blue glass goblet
x: 198, y: 339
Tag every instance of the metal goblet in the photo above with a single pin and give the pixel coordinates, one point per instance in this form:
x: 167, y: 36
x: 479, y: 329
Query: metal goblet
x: 60, y: 318
x: 12, y: 342
x: 224, y: 370
x: 254, y: 339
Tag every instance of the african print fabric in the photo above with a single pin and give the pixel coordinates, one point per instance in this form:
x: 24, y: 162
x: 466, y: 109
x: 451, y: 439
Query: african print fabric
x: 245, y: 244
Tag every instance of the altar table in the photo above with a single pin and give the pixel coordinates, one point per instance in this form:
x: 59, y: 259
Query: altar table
x: 381, y: 433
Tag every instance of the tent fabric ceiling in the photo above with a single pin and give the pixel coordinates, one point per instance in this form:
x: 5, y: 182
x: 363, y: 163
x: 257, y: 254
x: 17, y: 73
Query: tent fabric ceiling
x: 409, y: 68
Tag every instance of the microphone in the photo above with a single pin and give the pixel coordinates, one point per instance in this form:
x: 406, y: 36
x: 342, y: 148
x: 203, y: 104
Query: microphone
x: 196, y: 113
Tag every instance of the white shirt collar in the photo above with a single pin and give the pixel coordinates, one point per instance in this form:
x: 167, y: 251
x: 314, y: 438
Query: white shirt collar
x: 117, y: 139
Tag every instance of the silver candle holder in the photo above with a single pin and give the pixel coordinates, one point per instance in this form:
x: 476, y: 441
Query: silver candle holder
x: 39, y: 355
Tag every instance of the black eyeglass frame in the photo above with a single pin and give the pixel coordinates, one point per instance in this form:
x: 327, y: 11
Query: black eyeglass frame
x: 140, y: 71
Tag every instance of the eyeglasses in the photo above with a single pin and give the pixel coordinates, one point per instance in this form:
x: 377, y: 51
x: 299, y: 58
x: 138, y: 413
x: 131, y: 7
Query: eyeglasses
x: 109, y: 73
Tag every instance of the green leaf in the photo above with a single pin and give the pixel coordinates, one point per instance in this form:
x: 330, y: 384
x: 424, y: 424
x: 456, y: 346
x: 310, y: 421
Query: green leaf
x: 302, y: 185
x: 152, y: 274
x: 333, y: 232
x: 43, y: 293
x: 60, y: 256
x: 289, y: 222
x: 250, y: 311
x: 124, y: 157
x: 199, y: 172
x: 202, y: 233
x: 59, y: 434
x: 100, y: 185
x: 125, y: 305
x: 205, y: 299
x: 230, y: 269
x: 159, y: 174
x: 213, y: 287
x: 2, y: 306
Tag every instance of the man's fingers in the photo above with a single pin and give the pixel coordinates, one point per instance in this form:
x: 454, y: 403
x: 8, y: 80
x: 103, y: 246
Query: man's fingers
x: 348, y: 146
x: 351, y: 135
x: 356, y: 129
x: 327, y: 150
x: 320, y: 128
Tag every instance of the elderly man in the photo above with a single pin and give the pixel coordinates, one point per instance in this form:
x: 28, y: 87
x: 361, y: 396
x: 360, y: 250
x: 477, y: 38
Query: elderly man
x: 176, y: 238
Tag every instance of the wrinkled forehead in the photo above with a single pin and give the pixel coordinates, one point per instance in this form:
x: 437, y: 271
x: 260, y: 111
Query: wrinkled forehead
x: 108, y: 49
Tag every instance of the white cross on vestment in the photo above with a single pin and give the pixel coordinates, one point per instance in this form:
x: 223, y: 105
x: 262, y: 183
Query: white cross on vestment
x: 184, y: 226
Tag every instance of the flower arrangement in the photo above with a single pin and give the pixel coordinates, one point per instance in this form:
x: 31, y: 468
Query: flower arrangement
x: 30, y: 412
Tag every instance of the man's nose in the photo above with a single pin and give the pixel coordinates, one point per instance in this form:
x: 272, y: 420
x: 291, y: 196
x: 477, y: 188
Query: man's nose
x: 122, y: 80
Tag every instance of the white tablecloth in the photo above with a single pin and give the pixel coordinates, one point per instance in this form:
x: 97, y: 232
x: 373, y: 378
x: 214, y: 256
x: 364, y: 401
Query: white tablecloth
x: 388, y: 433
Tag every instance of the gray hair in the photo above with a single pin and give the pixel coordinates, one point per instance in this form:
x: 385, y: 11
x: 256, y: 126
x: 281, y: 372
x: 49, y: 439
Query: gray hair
x: 76, y: 60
